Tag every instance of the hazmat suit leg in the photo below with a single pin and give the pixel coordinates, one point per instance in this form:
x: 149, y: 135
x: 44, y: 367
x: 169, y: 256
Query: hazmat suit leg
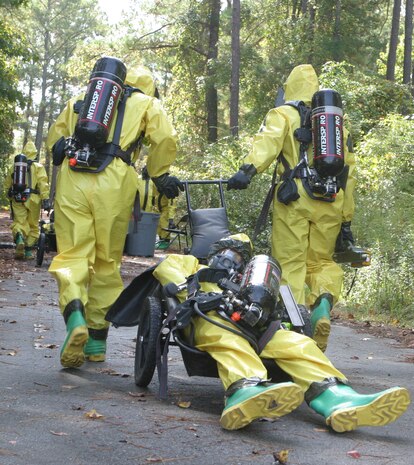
x: 20, y: 223
x: 300, y: 358
x: 235, y: 357
x: 290, y: 239
x: 248, y: 395
x: 75, y: 237
x: 33, y: 220
x: 105, y: 282
x: 323, y: 275
x: 296, y: 354
x: 164, y: 217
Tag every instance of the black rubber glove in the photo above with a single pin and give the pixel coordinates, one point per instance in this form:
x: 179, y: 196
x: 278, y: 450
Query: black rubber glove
x: 46, y: 205
x: 10, y: 192
x: 171, y: 224
x: 345, y: 237
x: 242, y: 178
x: 168, y: 185
x: 346, y: 232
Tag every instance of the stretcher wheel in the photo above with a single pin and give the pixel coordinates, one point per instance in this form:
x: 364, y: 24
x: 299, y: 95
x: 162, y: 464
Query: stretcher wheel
x: 149, y: 326
x: 307, y: 328
x: 40, y: 252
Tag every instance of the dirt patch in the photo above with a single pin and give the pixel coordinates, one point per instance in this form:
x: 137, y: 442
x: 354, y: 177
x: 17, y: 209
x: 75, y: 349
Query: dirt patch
x: 405, y: 336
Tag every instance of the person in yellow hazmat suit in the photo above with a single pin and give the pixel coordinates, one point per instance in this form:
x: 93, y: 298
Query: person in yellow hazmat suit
x: 305, y: 224
x: 154, y: 202
x: 248, y: 393
x: 95, y: 195
x: 26, y: 207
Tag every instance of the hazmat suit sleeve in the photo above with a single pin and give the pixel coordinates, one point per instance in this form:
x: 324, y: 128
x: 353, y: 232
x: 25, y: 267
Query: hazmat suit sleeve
x: 176, y: 268
x: 268, y: 142
x: 162, y: 138
x: 42, y: 181
x: 349, y: 205
x: 145, y: 188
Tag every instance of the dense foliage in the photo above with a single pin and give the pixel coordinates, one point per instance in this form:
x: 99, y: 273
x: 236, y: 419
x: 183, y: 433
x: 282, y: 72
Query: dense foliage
x: 345, y: 40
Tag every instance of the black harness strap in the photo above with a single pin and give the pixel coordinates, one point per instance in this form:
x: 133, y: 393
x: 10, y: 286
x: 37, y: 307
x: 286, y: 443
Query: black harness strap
x: 261, y: 220
x: 267, y: 335
x: 146, y: 192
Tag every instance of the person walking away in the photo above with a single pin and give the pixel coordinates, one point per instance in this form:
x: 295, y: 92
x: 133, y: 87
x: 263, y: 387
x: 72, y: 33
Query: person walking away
x: 27, y: 187
x: 95, y: 141
x: 310, y: 209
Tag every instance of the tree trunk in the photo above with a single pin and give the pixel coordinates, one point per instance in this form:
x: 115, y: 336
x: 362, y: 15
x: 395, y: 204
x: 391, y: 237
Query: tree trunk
x: 311, y: 30
x: 211, y: 90
x: 235, y: 69
x: 408, y: 41
x: 43, y: 103
x: 28, y: 112
x: 392, y: 52
x: 337, y: 55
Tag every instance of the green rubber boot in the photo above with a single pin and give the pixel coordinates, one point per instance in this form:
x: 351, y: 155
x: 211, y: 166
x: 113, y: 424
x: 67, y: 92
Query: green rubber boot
x: 321, y: 320
x: 71, y: 354
x: 28, y: 254
x: 95, y: 350
x: 19, y: 241
x: 163, y: 244
x: 250, y: 403
x: 345, y: 410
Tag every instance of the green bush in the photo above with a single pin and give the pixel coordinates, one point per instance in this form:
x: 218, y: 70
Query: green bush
x: 384, y: 221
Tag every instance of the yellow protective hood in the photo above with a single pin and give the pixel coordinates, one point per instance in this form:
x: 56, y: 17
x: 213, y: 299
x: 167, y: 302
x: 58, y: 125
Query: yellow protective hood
x: 301, y: 84
x: 30, y: 150
x: 142, y: 78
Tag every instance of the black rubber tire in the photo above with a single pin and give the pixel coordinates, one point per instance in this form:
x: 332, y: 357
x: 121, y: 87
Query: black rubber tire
x: 149, y: 326
x: 307, y: 329
x: 40, y: 251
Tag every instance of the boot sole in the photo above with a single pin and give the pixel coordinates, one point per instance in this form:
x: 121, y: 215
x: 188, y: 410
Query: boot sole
x: 95, y: 358
x: 73, y: 356
x: 381, y: 411
x: 19, y: 251
x: 321, y: 333
x: 273, y: 403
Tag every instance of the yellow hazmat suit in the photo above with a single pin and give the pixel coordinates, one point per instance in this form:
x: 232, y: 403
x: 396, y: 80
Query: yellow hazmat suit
x: 296, y: 354
x: 152, y: 201
x: 305, y: 231
x: 26, y: 214
x: 248, y: 394
x: 92, y: 212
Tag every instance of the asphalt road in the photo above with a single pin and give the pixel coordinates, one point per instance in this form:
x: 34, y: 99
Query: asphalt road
x: 96, y: 415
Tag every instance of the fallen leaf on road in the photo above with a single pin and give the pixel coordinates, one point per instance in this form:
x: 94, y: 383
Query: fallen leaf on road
x: 93, y: 414
x: 58, y: 434
x: 184, y: 404
x: 136, y: 394
x: 281, y: 457
x: 354, y: 454
x: 37, y: 345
